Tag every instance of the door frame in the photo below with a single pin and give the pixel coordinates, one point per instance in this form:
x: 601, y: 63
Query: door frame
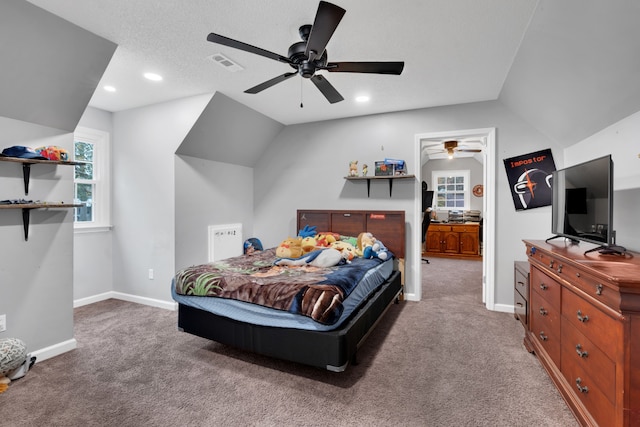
x: 488, y: 206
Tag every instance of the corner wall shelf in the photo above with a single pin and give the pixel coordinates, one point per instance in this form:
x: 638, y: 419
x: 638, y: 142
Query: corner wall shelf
x: 27, y: 207
x: 369, y: 178
x: 26, y: 166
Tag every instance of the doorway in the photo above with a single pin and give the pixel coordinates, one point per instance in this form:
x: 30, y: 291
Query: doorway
x: 487, y: 136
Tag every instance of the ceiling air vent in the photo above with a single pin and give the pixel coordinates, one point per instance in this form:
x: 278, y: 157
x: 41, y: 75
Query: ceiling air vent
x: 225, y: 62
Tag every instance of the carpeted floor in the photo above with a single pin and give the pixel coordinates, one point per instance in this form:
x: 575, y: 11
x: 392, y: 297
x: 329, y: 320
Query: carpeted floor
x: 445, y: 361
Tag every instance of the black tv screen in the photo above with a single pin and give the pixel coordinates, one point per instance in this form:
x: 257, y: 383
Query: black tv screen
x: 582, y: 207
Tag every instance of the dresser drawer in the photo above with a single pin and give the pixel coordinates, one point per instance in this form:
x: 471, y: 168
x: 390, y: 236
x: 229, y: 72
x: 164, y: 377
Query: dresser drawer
x: 520, y: 307
x: 590, y: 285
x: 545, y: 326
x: 546, y: 287
x: 580, y: 352
x: 439, y: 227
x: 587, y: 390
x: 521, y: 277
x: 601, y: 329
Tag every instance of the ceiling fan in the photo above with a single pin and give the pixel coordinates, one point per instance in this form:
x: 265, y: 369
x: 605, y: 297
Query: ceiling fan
x: 310, y: 55
x: 452, y: 147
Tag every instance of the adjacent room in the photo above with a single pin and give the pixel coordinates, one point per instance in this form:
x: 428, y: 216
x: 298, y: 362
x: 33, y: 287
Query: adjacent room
x: 414, y: 213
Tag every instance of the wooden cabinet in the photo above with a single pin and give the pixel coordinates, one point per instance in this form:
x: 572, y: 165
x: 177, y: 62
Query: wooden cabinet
x: 585, y: 329
x: 454, y: 240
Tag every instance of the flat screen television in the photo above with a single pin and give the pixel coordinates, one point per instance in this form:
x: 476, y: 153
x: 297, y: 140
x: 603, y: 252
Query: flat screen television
x: 582, y: 206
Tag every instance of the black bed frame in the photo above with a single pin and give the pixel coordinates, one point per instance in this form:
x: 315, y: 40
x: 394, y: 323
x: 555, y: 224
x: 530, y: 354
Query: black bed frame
x: 331, y: 350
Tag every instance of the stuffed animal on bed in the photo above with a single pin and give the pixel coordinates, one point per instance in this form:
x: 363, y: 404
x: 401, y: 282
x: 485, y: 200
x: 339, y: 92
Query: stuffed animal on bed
x: 321, y: 258
x: 347, y: 250
x: 308, y: 244
x: 290, y: 248
x: 370, y: 247
x: 326, y: 239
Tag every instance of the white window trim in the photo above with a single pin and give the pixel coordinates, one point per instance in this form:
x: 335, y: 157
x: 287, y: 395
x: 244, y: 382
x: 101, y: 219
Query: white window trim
x: 467, y: 191
x: 102, y: 166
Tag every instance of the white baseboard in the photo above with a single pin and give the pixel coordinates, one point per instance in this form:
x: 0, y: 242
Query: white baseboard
x: 54, y: 350
x: 504, y: 308
x: 167, y: 305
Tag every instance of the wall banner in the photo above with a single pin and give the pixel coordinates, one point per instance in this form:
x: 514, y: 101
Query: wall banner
x: 529, y: 178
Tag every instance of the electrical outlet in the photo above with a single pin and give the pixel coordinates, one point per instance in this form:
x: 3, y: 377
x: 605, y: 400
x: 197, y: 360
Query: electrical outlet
x: 3, y: 322
x: 151, y: 274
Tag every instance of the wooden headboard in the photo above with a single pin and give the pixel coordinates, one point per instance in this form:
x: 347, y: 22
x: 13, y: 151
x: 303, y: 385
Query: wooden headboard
x: 386, y: 226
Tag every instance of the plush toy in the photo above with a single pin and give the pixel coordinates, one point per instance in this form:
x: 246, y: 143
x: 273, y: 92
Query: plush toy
x: 370, y: 247
x: 14, y: 361
x: 326, y: 239
x: 290, y: 248
x: 307, y: 231
x: 308, y: 244
x: 347, y: 249
x: 353, y: 168
x: 321, y: 258
x: 365, y: 170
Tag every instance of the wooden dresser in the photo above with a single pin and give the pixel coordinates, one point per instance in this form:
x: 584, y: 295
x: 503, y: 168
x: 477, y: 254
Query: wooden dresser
x: 453, y: 240
x: 584, y: 326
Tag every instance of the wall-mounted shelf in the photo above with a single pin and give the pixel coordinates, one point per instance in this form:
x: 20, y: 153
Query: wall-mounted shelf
x: 390, y: 178
x: 27, y: 207
x: 26, y: 167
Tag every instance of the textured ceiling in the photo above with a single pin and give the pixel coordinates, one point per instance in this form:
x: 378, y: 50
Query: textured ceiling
x: 454, y: 51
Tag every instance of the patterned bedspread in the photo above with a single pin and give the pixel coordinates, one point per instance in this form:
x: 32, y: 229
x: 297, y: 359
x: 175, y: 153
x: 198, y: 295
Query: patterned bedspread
x: 316, y: 292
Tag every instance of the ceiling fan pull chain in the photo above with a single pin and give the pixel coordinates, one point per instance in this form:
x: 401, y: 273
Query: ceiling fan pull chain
x: 301, y: 105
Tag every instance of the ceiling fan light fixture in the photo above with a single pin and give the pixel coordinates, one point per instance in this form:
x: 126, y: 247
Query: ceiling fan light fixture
x: 362, y: 98
x: 109, y: 88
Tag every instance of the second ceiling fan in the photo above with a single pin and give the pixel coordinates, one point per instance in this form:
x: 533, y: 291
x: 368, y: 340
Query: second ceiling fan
x: 310, y: 55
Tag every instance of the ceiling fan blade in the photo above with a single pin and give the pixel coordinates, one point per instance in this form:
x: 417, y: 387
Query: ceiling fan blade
x: 469, y: 150
x: 269, y: 83
x: 326, y: 21
x: 366, y: 67
x: 226, y: 41
x: 327, y: 90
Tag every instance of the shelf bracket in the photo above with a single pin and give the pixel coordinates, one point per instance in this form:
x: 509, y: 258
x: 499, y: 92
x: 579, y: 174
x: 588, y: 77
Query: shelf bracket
x: 26, y: 172
x: 390, y: 186
x: 26, y: 215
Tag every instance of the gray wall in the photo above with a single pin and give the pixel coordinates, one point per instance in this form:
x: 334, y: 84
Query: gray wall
x: 93, y: 252
x: 209, y: 193
x: 305, y: 166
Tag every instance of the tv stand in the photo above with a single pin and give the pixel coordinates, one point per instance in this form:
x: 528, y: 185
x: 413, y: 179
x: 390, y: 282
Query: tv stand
x: 573, y: 241
x: 609, y: 250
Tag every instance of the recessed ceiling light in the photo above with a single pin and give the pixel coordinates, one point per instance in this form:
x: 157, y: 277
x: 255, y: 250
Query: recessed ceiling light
x: 109, y: 88
x: 153, y: 77
x: 362, y: 98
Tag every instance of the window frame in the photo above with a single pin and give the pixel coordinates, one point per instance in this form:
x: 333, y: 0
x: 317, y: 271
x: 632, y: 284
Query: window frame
x: 101, y: 179
x: 466, y: 174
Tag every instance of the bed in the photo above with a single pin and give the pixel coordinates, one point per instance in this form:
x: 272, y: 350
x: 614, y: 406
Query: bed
x: 329, y: 341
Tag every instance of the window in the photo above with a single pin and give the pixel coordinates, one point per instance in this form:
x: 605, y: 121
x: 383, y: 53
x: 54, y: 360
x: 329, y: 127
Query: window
x: 91, y: 179
x: 452, y: 189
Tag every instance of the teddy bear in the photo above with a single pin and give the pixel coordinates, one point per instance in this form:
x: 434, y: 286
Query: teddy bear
x: 290, y: 248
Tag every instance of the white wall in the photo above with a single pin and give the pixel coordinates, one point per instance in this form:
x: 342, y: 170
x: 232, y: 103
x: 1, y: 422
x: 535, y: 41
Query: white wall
x: 305, y: 166
x: 143, y: 145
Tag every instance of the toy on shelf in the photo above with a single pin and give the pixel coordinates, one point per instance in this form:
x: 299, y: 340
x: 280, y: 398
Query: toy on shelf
x: 353, y: 168
x: 365, y: 170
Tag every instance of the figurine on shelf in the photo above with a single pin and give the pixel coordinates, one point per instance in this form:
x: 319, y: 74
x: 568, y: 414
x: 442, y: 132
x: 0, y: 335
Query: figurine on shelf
x: 353, y: 168
x: 365, y: 170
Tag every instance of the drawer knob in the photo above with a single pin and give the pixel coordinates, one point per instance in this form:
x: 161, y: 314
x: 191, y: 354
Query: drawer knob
x: 543, y: 286
x: 543, y: 337
x: 543, y: 312
x: 551, y: 264
x: 580, y: 352
x: 559, y: 269
x: 578, y: 274
x: 581, y: 388
x: 581, y: 317
x: 599, y: 289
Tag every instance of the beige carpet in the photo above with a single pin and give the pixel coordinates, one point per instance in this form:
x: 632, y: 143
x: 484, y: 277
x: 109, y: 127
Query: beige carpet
x: 445, y: 361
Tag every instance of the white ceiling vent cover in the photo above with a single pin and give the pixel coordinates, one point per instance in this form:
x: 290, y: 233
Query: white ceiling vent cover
x: 225, y: 62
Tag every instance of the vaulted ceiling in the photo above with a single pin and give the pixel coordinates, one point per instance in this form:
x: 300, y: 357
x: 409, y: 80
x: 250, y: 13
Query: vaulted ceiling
x: 569, y: 68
